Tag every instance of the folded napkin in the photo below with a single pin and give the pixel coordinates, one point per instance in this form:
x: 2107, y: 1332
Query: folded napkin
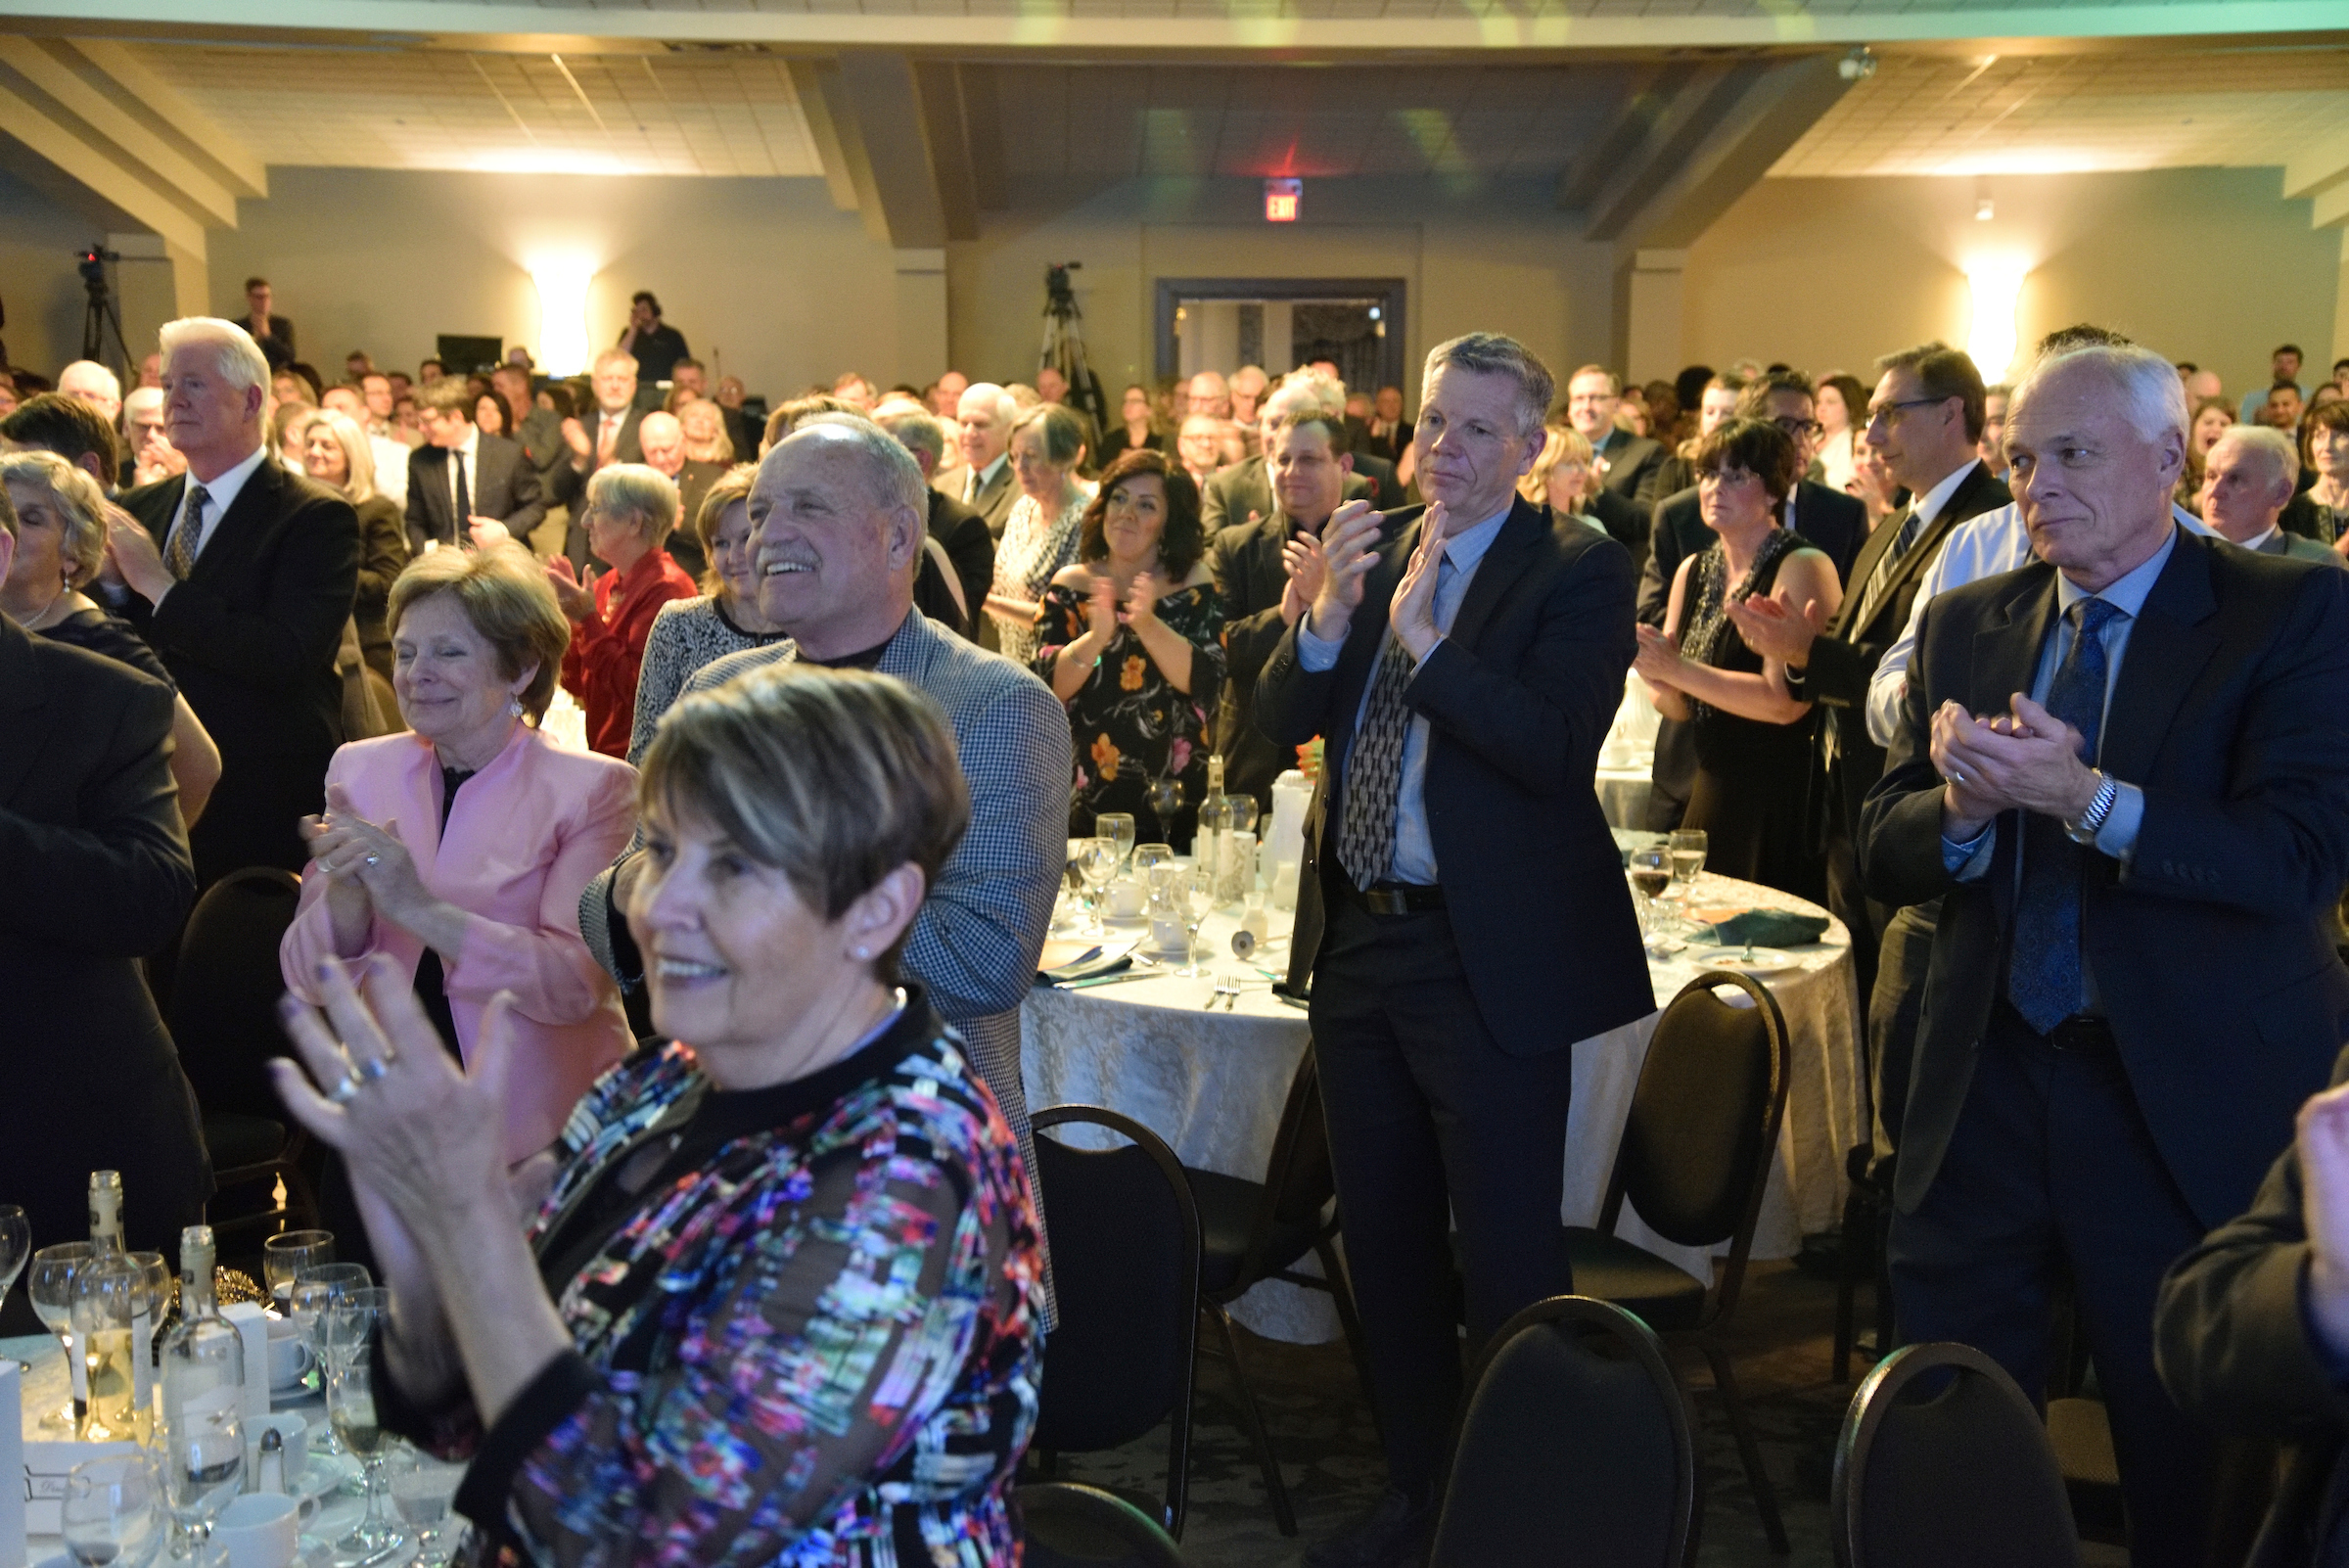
x: 1064, y: 960
x: 1764, y: 928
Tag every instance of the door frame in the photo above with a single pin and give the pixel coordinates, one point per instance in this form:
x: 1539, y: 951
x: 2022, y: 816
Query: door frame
x: 1393, y: 350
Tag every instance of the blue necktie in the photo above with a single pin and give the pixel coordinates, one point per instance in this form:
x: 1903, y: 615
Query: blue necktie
x: 2043, y: 976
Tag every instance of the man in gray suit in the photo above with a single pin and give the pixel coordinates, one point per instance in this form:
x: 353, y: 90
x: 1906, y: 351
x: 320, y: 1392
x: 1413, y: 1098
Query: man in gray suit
x: 840, y: 517
x: 2247, y: 481
x: 983, y: 421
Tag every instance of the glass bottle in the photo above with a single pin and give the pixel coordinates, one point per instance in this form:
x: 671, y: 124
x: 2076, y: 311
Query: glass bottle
x: 1211, y: 844
x: 204, y: 1396
x: 106, y: 1211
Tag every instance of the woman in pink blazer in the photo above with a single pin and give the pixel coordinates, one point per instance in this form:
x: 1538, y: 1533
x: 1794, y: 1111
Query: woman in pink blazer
x: 461, y: 848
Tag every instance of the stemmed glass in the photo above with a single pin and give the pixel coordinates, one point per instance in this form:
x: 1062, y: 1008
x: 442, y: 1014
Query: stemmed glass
x: 314, y: 1292
x: 351, y: 1410
x: 1651, y: 873
x: 285, y: 1256
x: 15, y: 1245
x: 109, y: 1295
x: 422, y: 1489
x: 1149, y: 854
x: 1687, y: 847
x: 111, y: 1512
x: 1118, y: 828
x: 1194, y: 893
x: 1166, y: 802
x: 159, y: 1283
x: 51, y: 1287
x: 1096, y: 862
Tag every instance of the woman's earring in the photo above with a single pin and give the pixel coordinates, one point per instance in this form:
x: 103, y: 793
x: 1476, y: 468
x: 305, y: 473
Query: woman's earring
x: 514, y: 706
x: 865, y: 952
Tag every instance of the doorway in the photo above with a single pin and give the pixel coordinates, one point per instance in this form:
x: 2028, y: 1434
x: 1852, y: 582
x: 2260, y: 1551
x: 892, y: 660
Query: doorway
x: 1220, y: 324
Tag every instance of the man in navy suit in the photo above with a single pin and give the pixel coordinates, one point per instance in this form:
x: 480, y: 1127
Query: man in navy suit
x: 1463, y: 663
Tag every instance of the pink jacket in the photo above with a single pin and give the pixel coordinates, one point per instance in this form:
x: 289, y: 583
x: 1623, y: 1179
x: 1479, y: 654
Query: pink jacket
x: 526, y: 834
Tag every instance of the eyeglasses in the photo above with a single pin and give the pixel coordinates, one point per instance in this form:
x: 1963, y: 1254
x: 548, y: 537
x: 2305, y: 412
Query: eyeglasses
x: 1800, y: 428
x: 1890, y: 413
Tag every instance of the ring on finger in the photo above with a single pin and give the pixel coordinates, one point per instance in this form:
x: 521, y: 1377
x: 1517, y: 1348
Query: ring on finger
x: 346, y: 1091
x: 372, y: 1069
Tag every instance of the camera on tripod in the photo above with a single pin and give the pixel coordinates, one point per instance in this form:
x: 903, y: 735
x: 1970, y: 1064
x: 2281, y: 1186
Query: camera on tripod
x: 93, y: 265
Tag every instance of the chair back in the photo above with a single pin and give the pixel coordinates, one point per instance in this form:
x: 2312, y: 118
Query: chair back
x: 1943, y: 1463
x: 1126, y: 1272
x: 1704, y: 1120
x: 1299, y: 1180
x: 224, y: 991
x: 1064, y: 1524
x: 1575, y: 1449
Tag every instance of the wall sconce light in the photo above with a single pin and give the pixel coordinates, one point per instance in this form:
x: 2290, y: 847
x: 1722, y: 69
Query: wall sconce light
x: 1990, y: 340
x: 1985, y: 210
x: 562, y: 284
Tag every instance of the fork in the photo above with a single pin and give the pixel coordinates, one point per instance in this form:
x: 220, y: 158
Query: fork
x: 1223, y: 991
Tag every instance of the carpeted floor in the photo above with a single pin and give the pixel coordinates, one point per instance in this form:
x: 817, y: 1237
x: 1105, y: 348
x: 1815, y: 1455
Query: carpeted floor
x: 1320, y: 1424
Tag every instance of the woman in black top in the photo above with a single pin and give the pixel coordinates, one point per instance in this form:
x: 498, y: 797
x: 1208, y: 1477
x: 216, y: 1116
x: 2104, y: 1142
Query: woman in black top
x: 61, y: 546
x: 1139, y: 430
x: 337, y: 453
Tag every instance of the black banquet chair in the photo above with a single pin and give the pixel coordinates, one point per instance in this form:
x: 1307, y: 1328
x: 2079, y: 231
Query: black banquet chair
x: 1947, y: 1471
x: 223, y: 1018
x: 1575, y: 1450
x: 1064, y: 1524
x: 1694, y: 1159
x: 1252, y: 1231
x: 1124, y: 1356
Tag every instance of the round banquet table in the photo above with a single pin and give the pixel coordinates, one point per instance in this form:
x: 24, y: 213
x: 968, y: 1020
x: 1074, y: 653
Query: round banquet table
x: 1213, y: 1083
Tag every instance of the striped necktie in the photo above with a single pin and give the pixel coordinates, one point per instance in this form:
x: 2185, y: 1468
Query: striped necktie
x: 180, y: 558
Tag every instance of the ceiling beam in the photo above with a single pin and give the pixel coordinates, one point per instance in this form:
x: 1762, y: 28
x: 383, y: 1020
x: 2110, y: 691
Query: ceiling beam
x: 125, y: 78
x: 1770, y: 111
x: 983, y: 134
x: 44, y: 68
x: 2320, y: 173
x: 72, y: 154
x: 1648, y: 96
x: 940, y: 93
x: 881, y: 96
x: 812, y: 82
x: 1673, y: 131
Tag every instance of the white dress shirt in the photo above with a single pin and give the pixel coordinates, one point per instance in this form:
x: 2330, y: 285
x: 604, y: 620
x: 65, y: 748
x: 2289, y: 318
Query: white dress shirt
x: 391, y: 469
x: 975, y: 482
x: 1979, y: 547
x: 462, y: 459
x: 223, y: 493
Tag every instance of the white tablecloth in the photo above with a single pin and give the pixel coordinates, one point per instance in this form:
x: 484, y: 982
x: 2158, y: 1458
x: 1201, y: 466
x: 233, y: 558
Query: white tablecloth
x: 1212, y: 1084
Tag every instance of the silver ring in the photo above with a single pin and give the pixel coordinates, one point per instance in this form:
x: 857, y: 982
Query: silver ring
x: 1956, y: 778
x: 374, y: 860
x: 345, y: 1093
x: 375, y: 1067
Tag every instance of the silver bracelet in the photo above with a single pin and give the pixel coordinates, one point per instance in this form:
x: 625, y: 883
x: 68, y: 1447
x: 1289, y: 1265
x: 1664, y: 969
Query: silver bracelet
x: 2100, y: 806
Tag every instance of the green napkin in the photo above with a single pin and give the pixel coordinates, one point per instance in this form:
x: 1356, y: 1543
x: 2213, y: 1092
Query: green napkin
x: 1765, y: 928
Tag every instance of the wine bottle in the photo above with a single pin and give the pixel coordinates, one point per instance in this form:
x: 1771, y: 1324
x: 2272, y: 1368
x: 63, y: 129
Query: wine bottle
x: 1209, y: 846
x: 204, y: 1393
x: 106, y: 1211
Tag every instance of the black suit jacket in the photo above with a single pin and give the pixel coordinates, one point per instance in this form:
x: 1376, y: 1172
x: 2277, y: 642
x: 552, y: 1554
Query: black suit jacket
x: 1245, y: 561
x: 251, y: 638
x: 1243, y: 494
x: 97, y: 874
x: 2209, y: 946
x: 1844, y: 661
x: 1635, y: 466
x: 1519, y: 698
x: 630, y: 447
x: 503, y: 486
x: 968, y: 544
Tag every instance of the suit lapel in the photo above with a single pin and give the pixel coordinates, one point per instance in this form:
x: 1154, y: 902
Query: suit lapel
x: 1503, y: 562
x: 258, y: 499
x: 21, y: 700
x: 1864, y: 567
x: 2167, y: 649
x: 2007, y: 647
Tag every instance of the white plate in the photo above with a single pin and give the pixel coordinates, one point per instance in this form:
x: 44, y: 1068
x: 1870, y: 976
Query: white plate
x: 322, y: 1476
x: 1743, y: 961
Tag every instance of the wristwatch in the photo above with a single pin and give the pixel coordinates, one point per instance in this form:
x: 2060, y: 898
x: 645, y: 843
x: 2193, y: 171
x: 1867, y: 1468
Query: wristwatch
x: 2100, y: 806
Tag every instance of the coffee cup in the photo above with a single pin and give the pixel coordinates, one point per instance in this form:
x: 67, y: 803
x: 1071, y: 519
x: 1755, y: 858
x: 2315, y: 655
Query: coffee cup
x: 288, y: 1354
x: 1126, y: 897
x: 261, y: 1529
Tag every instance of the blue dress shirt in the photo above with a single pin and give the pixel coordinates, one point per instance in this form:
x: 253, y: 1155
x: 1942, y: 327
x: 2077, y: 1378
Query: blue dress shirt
x: 1414, y: 859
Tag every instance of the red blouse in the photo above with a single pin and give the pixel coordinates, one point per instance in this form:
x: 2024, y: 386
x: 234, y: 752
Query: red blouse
x: 600, y: 667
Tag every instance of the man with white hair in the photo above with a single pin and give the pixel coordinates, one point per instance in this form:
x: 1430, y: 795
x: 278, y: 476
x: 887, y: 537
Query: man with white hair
x: 94, y: 384
x: 1243, y: 492
x: 983, y: 420
x: 2108, y: 770
x: 151, y: 456
x: 2247, y: 481
x: 241, y: 576
x: 1208, y: 394
x: 664, y: 440
x: 838, y: 512
x: 957, y: 531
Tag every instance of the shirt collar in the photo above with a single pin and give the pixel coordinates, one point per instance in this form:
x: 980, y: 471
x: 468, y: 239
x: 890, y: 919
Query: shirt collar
x: 1467, y: 547
x: 473, y: 441
x: 2260, y: 541
x: 2126, y: 593
x: 1928, y: 505
x: 987, y: 475
x: 225, y: 488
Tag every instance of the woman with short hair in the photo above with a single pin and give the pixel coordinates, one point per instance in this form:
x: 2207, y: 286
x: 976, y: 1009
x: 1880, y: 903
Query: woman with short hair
x: 783, y: 1302
x: 627, y: 512
x: 2321, y: 511
x: 1039, y: 534
x: 2213, y: 418
x: 722, y: 620
x: 458, y: 850
x: 1753, y: 737
x: 1130, y: 641
x: 60, y: 515
x: 338, y: 455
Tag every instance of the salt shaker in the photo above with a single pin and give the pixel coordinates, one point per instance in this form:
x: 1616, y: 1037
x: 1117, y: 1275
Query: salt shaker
x: 272, y: 1476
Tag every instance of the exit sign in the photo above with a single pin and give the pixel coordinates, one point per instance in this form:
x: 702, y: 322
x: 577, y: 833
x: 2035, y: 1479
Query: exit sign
x: 1282, y: 199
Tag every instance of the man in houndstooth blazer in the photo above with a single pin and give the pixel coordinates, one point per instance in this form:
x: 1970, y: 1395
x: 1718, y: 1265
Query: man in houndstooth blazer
x: 975, y: 943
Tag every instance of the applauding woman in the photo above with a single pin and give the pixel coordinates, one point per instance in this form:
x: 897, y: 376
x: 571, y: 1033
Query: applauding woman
x: 782, y: 1302
x: 1131, y: 641
x: 627, y: 515
x: 460, y: 848
x: 1753, y: 739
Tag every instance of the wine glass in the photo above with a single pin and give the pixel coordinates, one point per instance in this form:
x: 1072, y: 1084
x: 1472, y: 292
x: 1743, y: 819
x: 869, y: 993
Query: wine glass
x: 1194, y: 891
x: 422, y: 1489
x: 1687, y: 847
x: 351, y: 1411
x: 109, y: 1293
x: 1096, y: 862
x: 111, y: 1512
x: 50, y: 1284
x: 157, y: 1280
x: 202, y: 1458
x: 286, y: 1255
x: 1118, y: 827
x: 315, y: 1291
x: 1166, y: 802
x: 1147, y: 856
x: 15, y: 1245
x: 1651, y: 873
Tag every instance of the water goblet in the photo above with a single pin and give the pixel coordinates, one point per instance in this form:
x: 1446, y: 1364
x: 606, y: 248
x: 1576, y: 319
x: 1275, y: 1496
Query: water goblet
x: 110, y: 1291
x: 111, y: 1512
x: 202, y: 1453
x: 1096, y: 862
x: 351, y: 1411
x: 15, y: 1245
x: 50, y: 1284
x: 422, y: 1489
x: 1146, y: 855
x: 286, y: 1255
x: 1166, y: 802
x: 1687, y: 847
x: 1117, y: 826
x: 1650, y: 870
x: 1195, y: 894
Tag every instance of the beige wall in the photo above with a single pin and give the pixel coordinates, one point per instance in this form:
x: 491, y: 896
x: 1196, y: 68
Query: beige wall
x: 2205, y: 264
x: 1501, y: 258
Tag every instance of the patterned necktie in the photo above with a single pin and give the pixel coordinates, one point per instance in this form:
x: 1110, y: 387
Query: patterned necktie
x: 1374, y: 760
x: 180, y: 558
x: 1880, y: 581
x: 464, y: 494
x: 2043, y: 975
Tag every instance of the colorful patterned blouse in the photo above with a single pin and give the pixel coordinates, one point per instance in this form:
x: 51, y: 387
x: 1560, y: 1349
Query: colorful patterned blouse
x: 1130, y: 724
x: 810, y: 1336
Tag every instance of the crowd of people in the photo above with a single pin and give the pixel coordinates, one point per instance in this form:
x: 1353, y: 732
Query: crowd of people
x: 2028, y: 683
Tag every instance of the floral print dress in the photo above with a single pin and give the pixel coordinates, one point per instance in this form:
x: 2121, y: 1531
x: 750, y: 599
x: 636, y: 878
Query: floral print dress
x: 1130, y: 726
